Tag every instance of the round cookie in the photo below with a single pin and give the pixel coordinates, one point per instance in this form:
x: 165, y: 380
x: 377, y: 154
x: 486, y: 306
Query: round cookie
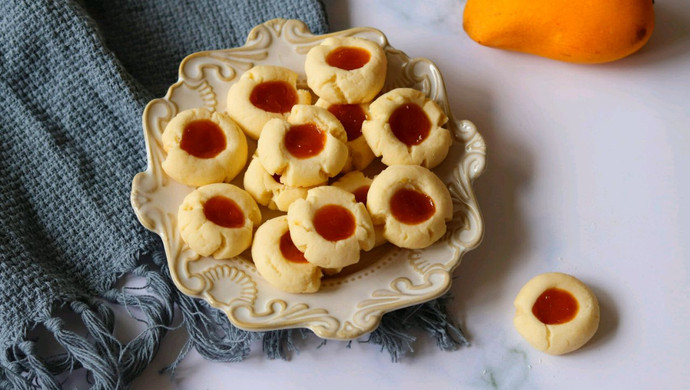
x: 346, y: 70
x: 412, y: 203
x: 358, y: 184
x: 352, y: 116
x: 218, y: 220
x: 330, y: 227
x: 267, y: 189
x: 556, y: 313
x: 306, y: 149
x: 280, y: 262
x: 405, y: 128
x: 262, y: 93
x: 203, y: 147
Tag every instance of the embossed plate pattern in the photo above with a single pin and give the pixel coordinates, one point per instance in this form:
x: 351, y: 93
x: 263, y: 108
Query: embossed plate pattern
x: 387, y: 278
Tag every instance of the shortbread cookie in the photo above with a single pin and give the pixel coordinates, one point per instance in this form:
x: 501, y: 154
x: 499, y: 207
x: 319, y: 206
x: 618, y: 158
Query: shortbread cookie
x: 306, y: 149
x: 352, y: 116
x: 203, y: 147
x: 405, y: 128
x: 218, y: 220
x: 358, y: 184
x: 412, y: 203
x: 346, y: 70
x: 262, y: 93
x: 280, y: 262
x: 267, y: 189
x: 556, y: 313
x: 330, y: 227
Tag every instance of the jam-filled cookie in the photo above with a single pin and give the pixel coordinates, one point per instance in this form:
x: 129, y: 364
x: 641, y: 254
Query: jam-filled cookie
x: 218, y: 220
x: 405, y: 128
x: 267, y: 189
x: 412, y: 203
x: 306, y: 149
x: 280, y: 262
x: 330, y: 227
x: 203, y: 147
x: 556, y: 313
x: 262, y: 93
x: 346, y: 70
x: 352, y: 116
x: 358, y: 184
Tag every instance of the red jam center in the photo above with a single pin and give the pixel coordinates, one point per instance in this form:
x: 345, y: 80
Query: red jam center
x: 555, y: 306
x: 304, y: 141
x: 410, y: 124
x: 351, y: 116
x: 361, y: 194
x: 203, y: 138
x: 334, y: 222
x: 224, y: 212
x: 411, y: 207
x: 274, y: 96
x: 289, y: 250
x: 348, y: 58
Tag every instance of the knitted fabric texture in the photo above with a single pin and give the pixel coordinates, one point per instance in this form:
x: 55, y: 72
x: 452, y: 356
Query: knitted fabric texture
x: 74, y: 79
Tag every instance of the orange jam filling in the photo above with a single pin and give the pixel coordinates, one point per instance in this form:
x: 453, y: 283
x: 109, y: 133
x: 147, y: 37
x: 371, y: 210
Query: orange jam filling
x: 351, y: 116
x: 555, y: 306
x: 411, y: 207
x: 203, y: 138
x: 361, y: 194
x: 348, y: 58
x: 334, y: 222
x: 410, y: 124
x: 304, y: 141
x: 274, y: 96
x: 224, y: 212
x: 289, y: 250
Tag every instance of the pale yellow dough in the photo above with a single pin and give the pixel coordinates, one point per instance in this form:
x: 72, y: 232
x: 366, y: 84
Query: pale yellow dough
x: 346, y: 86
x: 280, y: 272
x: 251, y: 118
x: 195, y: 171
x: 556, y: 339
x: 360, y: 153
x: 266, y: 191
x: 383, y: 142
x: 418, y: 178
x: 306, y: 172
x: 318, y: 250
x: 351, y: 182
x: 205, y: 237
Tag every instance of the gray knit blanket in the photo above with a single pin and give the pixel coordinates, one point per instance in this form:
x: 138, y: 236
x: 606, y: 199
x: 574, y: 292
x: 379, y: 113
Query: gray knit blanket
x: 74, y: 79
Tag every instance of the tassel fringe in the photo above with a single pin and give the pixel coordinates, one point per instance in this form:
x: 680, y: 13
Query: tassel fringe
x: 110, y: 364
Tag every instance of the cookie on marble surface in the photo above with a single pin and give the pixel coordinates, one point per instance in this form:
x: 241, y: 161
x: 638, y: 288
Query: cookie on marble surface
x: 218, y: 220
x: 306, y: 149
x: 267, y: 189
x: 556, y: 313
x: 280, y: 262
x: 352, y: 116
x: 330, y: 227
x: 406, y: 128
x: 346, y: 70
x: 203, y: 147
x: 262, y: 93
x: 412, y: 203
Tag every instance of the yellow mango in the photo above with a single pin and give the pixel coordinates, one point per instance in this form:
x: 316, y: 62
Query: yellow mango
x: 580, y: 31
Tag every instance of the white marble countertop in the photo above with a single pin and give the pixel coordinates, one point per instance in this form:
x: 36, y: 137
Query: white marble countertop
x: 587, y: 175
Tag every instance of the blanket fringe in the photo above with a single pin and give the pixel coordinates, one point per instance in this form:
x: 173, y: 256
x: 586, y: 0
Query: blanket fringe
x: 110, y: 364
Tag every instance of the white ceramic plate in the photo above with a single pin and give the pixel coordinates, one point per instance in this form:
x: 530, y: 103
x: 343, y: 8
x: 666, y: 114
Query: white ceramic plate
x: 387, y: 278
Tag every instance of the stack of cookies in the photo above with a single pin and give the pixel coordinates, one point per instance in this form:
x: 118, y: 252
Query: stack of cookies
x: 309, y: 165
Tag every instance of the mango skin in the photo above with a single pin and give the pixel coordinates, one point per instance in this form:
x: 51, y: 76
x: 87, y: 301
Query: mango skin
x: 580, y: 31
